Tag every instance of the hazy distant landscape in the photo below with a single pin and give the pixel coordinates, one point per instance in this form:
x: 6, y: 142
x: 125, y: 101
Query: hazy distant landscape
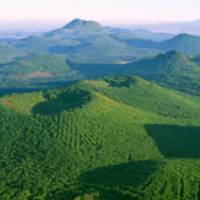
x: 67, y: 54
x: 104, y: 109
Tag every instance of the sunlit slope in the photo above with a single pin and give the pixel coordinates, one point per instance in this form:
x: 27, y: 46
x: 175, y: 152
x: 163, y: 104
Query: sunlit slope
x: 172, y: 70
x: 123, y: 90
x: 93, y: 140
x: 147, y: 96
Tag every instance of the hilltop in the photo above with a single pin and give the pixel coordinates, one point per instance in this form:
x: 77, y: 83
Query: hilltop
x: 99, y: 139
x: 171, y: 63
x: 90, y: 50
x: 171, y: 69
x: 35, y: 68
x: 122, y: 122
x: 183, y: 43
x: 87, y: 49
x: 83, y: 24
x: 83, y: 41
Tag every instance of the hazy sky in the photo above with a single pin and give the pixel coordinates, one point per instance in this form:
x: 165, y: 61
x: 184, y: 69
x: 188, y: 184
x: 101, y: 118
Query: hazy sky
x: 102, y: 10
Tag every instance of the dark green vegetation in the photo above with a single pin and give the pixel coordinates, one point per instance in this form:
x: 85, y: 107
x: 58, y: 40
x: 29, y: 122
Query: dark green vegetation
x: 114, y: 138
x: 85, y: 49
x: 172, y: 70
x: 35, y: 68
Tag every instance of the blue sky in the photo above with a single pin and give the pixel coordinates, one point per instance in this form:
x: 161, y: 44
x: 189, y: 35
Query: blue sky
x: 110, y: 11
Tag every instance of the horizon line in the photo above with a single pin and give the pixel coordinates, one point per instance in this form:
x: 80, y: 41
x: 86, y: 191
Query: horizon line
x: 103, y: 21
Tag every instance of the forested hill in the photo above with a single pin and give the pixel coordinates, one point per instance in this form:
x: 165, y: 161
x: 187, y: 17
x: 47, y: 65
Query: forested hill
x: 113, y: 138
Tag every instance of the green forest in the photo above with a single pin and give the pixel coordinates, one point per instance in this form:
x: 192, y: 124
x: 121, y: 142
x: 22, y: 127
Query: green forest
x: 96, y: 112
x: 113, y: 138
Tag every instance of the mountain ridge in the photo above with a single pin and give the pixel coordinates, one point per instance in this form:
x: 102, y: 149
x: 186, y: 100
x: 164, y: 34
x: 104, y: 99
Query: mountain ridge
x: 80, y: 24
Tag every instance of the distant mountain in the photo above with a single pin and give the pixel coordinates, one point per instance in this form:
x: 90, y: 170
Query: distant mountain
x: 142, y: 34
x: 35, y: 68
x: 170, y: 63
x: 143, y: 43
x: 85, y: 49
x: 171, y: 69
x: 7, y: 53
x: 88, y: 42
x: 184, y: 43
x: 80, y: 24
x: 84, y: 41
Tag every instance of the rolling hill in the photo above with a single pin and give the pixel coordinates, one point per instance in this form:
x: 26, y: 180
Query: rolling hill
x: 7, y: 53
x: 183, y: 43
x: 171, y: 63
x: 41, y: 70
x: 125, y: 125
x: 172, y: 69
x: 144, y: 34
x: 112, y: 138
x: 83, y: 41
x: 35, y: 68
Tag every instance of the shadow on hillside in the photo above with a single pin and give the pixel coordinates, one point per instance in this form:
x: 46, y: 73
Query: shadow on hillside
x: 56, y: 103
x: 121, y: 81
x: 176, y: 141
x: 122, y: 175
x: 106, y: 183
x: 97, y: 70
x: 86, y: 194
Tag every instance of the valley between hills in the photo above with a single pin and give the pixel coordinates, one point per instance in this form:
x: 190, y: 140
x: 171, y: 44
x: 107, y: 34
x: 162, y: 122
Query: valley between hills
x: 98, y: 113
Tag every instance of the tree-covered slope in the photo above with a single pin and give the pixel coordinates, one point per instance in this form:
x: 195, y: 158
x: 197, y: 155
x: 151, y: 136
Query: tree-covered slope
x: 183, y: 43
x: 83, y: 41
x: 35, y: 68
x: 7, y: 53
x: 94, y: 140
x: 150, y: 97
x: 171, y: 63
x: 171, y: 69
